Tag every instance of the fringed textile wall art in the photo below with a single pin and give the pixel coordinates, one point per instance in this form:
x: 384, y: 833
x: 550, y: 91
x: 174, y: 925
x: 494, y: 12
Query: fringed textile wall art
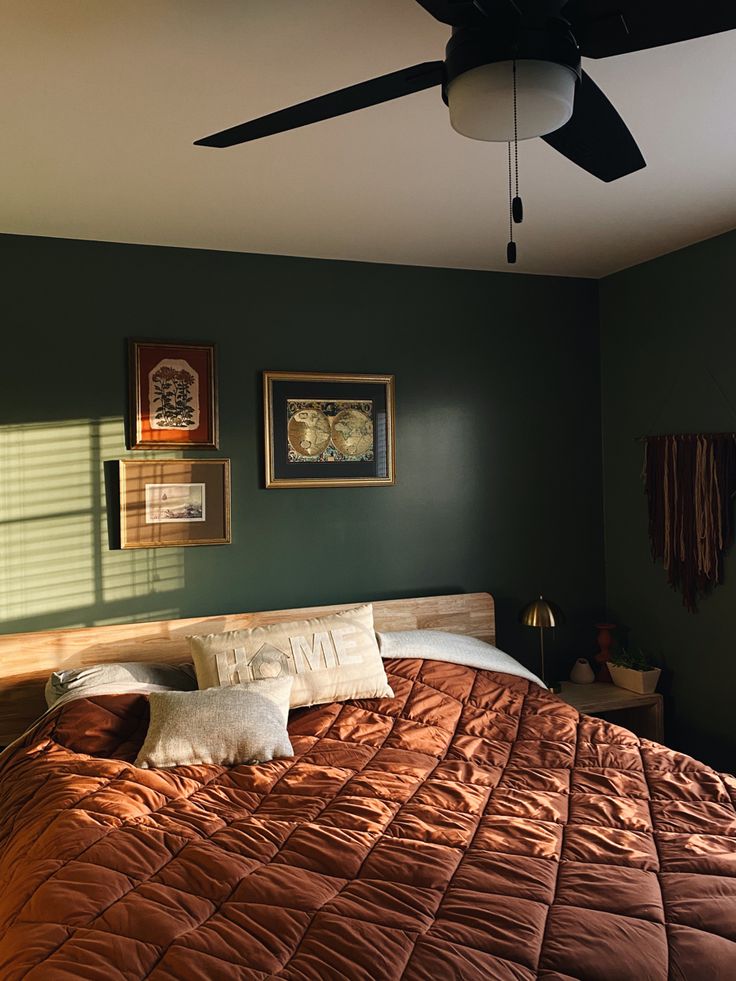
x: 689, y: 482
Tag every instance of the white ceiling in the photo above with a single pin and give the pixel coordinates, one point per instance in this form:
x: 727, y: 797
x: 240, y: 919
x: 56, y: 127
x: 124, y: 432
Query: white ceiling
x: 100, y: 103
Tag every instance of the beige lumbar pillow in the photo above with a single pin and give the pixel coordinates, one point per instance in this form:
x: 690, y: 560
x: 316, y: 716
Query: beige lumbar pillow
x: 242, y: 724
x: 331, y: 658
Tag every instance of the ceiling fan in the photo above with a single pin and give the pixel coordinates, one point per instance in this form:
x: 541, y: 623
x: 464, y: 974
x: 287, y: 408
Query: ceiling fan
x: 512, y: 71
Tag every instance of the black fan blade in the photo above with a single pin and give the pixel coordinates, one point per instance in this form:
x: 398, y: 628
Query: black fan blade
x: 456, y: 13
x: 596, y: 138
x: 360, y: 96
x: 611, y: 27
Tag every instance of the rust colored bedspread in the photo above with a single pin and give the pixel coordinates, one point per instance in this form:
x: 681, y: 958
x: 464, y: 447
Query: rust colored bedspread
x: 473, y: 827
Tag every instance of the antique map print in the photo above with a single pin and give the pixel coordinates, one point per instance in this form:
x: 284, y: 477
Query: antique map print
x: 329, y: 430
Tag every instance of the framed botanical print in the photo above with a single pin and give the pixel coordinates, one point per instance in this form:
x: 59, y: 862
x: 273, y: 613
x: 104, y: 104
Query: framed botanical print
x: 325, y: 430
x: 173, y: 395
x: 166, y: 503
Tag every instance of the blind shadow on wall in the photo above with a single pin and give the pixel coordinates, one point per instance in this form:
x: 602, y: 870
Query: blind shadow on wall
x: 56, y: 569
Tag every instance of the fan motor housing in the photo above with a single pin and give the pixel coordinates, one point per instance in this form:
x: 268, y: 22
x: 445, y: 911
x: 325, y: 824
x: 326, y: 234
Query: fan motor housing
x: 471, y: 47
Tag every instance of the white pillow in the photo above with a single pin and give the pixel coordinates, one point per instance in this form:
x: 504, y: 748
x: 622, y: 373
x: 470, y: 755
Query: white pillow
x: 436, y: 645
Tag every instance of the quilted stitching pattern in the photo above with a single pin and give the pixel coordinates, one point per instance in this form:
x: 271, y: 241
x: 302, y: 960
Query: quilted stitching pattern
x: 472, y: 827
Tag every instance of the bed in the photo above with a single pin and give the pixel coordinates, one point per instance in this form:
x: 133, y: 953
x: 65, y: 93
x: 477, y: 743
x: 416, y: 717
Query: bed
x: 472, y: 827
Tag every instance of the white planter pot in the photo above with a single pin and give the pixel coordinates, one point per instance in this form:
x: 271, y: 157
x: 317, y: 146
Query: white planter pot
x: 642, y: 682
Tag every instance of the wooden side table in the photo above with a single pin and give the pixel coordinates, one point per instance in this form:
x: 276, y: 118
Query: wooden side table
x: 643, y: 713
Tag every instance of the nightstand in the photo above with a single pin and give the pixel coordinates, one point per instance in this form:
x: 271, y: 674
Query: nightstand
x: 641, y: 713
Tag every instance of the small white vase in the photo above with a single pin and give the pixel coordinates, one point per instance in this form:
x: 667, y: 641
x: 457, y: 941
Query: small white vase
x: 582, y: 673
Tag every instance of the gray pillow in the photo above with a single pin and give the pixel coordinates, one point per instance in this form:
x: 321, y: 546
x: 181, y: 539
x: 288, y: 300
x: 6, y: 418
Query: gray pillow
x: 237, y: 724
x: 118, y: 678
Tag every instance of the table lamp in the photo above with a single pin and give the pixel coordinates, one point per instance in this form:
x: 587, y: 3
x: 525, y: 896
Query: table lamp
x: 539, y: 614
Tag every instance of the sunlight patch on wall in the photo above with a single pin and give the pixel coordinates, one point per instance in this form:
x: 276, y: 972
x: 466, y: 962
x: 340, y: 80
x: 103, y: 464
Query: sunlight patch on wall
x: 54, y: 553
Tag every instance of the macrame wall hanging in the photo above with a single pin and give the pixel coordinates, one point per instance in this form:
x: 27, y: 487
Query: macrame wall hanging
x: 690, y: 481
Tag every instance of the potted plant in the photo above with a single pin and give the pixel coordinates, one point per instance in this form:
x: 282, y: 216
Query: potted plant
x: 634, y: 671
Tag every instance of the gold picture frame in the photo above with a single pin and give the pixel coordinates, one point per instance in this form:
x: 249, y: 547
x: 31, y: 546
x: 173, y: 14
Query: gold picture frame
x: 174, y: 503
x: 173, y: 395
x: 328, y: 430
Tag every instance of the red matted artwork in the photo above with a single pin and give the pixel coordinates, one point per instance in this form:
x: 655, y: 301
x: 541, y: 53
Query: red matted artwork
x: 173, y: 395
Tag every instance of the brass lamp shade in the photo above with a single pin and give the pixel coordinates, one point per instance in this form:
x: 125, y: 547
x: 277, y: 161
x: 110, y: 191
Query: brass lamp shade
x: 538, y: 614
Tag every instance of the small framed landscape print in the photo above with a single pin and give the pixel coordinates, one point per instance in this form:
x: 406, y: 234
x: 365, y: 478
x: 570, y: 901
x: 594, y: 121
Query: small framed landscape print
x: 324, y: 430
x: 171, y: 503
x: 173, y: 395
x: 166, y: 503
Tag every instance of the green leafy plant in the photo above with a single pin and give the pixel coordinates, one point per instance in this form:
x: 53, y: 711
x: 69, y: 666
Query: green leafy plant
x: 636, y: 660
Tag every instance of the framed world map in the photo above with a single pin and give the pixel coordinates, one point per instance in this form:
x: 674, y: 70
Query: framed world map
x: 326, y: 430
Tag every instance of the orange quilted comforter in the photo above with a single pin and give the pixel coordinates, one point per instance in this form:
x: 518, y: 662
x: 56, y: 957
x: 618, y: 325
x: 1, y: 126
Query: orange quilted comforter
x: 473, y: 827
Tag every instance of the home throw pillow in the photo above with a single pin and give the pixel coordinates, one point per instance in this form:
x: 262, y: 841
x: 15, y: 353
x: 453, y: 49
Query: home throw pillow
x: 331, y: 658
x: 242, y: 724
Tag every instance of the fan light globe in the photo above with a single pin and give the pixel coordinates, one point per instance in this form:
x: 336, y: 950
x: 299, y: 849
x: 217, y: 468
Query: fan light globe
x: 481, y: 100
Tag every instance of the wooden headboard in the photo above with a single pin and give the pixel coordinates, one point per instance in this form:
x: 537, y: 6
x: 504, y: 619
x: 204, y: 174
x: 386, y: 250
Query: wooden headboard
x: 26, y: 660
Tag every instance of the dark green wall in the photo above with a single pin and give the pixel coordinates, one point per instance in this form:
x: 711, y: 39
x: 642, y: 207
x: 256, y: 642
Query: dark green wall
x: 498, y: 432
x: 498, y: 435
x: 668, y: 354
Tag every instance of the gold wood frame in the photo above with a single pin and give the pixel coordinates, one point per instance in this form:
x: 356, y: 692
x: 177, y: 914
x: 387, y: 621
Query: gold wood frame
x: 26, y: 660
x: 269, y: 377
x: 125, y: 537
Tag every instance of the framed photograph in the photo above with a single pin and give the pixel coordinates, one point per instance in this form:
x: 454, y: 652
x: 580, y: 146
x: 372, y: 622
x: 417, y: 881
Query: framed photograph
x: 166, y: 503
x: 173, y: 395
x: 328, y: 430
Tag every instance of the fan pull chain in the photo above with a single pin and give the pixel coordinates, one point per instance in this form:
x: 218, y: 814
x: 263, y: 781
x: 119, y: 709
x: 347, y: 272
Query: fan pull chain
x: 516, y: 206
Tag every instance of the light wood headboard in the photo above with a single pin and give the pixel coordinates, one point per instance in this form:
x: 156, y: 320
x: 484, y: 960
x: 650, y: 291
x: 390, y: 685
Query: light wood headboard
x: 26, y: 660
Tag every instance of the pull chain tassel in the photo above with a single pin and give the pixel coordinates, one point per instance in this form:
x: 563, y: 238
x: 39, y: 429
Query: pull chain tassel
x: 511, y: 247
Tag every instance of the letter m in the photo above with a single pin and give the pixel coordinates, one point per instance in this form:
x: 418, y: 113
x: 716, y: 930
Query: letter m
x: 320, y: 654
